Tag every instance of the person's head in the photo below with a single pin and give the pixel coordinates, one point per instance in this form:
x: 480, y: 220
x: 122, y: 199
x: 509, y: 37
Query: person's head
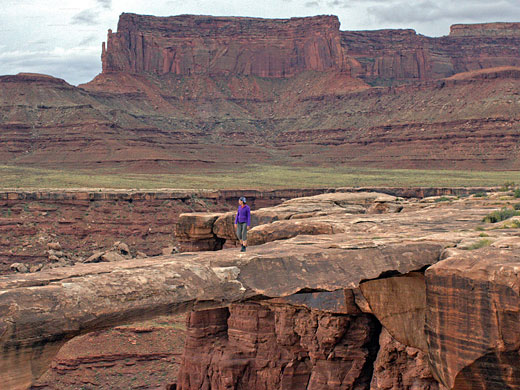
x: 242, y: 201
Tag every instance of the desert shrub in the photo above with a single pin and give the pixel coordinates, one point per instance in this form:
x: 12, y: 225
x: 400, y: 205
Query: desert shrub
x: 500, y: 215
x: 443, y: 199
x: 507, y: 186
x: 483, y: 235
x: 517, y: 193
x: 480, y: 244
x: 516, y: 206
x: 480, y: 194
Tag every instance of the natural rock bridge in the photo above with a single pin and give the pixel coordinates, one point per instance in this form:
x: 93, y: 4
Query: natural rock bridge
x: 463, y: 312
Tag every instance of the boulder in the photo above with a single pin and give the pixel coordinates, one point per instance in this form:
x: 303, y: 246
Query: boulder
x: 19, y: 267
x: 95, y: 258
x: 195, y: 226
x: 54, y: 246
x: 123, y: 249
x: 168, y: 250
x: 111, y: 256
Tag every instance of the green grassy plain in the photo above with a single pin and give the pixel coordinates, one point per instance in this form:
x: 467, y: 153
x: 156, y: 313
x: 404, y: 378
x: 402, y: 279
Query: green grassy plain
x: 253, y: 177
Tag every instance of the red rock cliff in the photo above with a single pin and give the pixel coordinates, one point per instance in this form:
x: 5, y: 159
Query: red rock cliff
x: 189, y: 44
x: 384, y: 57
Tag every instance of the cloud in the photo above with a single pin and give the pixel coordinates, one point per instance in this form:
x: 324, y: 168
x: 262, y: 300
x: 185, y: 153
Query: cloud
x: 328, y: 4
x: 75, y: 65
x: 89, y: 17
x: 89, y: 40
x: 430, y: 11
x: 38, y: 42
x: 107, y: 4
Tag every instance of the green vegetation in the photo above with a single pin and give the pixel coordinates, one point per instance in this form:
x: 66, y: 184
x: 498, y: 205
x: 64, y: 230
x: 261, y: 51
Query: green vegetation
x: 252, y: 176
x: 517, y: 193
x: 443, y: 199
x: 516, y: 206
x: 480, y: 195
x: 480, y: 244
x: 508, y: 186
x: 500, y: 215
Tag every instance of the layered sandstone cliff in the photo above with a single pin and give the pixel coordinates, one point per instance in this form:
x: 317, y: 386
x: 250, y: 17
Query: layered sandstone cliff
x: 189, y: 45
x: 274, y: 92
x: 391, y: 57
x: 205, y: 45
x: 366, y: 307
x: 86, y: 222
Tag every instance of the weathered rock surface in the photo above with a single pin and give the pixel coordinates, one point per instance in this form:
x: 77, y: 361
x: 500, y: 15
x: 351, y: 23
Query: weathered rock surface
x: 399, y: 366
x: 399, y: 303
x: 281, y: 89
x: 389, y: 57
x: 142, y: 355
x: 188, y: 44
x: 203, y: 231
x: 41, y: 311
x: 473, y: 317
x: 85, y: 223
x: 95, y: 296
x: 277, y: 347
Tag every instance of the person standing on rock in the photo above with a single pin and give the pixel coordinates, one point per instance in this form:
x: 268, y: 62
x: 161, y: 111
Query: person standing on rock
x: 242, y: 222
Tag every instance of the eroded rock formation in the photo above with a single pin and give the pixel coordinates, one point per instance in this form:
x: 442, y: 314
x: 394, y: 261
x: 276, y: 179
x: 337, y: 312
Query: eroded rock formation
x: 473, y: 313
x: 399, y: 303
x: 88, y: 222
x: 342, y: 339
x: 278, y: 347
x: 206, y: 231
x: 188, y: 44
x: 390, y: 57
x: 295, y: 91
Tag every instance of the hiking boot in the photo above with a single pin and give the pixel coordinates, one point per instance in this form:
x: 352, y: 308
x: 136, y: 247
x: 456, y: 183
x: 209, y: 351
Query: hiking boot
x: 243, y: 249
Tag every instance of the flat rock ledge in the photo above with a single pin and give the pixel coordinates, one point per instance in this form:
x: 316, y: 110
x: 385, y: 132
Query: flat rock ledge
x: 443, y: 285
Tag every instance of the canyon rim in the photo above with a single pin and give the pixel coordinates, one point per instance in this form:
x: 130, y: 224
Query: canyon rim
x: 342, y: 288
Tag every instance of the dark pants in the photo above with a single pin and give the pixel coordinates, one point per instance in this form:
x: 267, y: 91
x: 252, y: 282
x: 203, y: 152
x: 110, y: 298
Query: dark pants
x: 242, y: 231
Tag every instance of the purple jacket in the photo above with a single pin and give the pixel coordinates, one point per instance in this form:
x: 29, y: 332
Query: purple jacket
x: 243, y: 215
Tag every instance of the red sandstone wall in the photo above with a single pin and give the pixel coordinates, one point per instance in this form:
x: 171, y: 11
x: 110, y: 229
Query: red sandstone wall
x: 85, y: 222
x: 252, y: 346
x: 187, y: 44
x: 387, y: 57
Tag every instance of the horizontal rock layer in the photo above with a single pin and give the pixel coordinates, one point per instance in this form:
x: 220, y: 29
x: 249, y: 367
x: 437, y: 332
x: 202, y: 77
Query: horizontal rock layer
x: 472, y: 320
x: 375, y: 263
x: 190, y: 44
x: 85, y: 222
x: 100, y: 295
x: 187, y: 45
x: 149, y: 123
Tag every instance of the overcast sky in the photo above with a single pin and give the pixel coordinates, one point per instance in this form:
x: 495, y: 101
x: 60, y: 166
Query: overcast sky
x: 63, y: 37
